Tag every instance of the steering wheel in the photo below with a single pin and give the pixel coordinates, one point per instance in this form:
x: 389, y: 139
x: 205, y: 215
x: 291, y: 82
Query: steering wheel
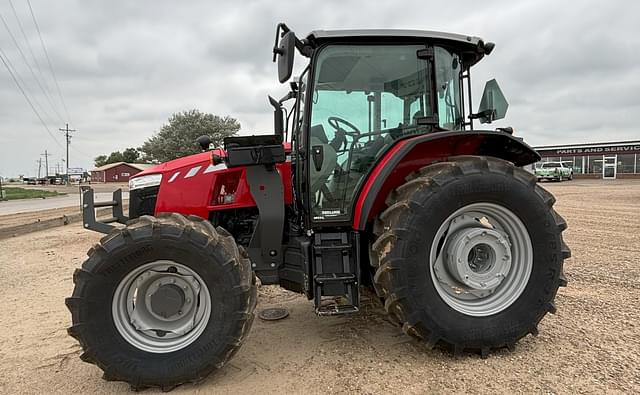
x: 336, y: 121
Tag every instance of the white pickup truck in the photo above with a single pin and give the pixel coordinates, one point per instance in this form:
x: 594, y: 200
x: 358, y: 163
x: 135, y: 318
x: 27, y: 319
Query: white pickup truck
x: 554, y: 171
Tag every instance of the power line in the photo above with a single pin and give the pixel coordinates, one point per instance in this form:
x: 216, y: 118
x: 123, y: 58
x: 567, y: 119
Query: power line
x: 44, y: 49
x: 24, y: 58
x: 2, y: 58
x: 33, y: 56
x: 23, y: 84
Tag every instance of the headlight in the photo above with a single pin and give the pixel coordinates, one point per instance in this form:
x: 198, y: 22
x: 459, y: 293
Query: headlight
x: 151, y: 180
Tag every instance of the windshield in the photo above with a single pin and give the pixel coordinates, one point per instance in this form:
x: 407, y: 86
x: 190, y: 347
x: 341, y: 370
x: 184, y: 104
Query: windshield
x: 551, y: 164
x: 364, y: 98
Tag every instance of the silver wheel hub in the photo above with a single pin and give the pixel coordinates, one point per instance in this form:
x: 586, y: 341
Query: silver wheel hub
x: 161, y: 306
x: 481, y: 259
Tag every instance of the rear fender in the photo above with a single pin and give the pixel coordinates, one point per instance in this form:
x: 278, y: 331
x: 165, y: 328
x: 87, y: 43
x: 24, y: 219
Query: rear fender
x: 409, y: 155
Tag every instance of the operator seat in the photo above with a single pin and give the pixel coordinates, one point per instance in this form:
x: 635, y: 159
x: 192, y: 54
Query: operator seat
x: 320, y: 178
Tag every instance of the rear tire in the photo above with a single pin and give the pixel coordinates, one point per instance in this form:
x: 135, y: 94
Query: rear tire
x: 219, y: 297
x: 412, y: 241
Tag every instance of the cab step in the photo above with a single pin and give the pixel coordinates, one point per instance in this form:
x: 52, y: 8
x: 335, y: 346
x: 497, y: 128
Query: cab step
x: 336, y: 310
x: 335, y: 277
x: 336, y: 273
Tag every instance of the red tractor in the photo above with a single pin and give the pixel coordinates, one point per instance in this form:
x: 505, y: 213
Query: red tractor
x: 375, y: 178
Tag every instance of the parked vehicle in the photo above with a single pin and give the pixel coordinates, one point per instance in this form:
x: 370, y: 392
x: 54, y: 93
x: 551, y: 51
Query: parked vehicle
x: 377, y: 178
x: 556, y: 171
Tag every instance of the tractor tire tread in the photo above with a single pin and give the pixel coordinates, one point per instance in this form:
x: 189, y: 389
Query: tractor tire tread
x: 403, y: 200
x: 193, y: 228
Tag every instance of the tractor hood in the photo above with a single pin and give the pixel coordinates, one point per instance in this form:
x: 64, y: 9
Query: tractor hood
x: 192, y: 160
x: 172, y: 165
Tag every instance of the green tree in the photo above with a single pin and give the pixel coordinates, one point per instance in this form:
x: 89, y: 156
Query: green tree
x: 178, y: 137
x: 100, y: 160
x: 129, y: 155
x: 115, y: 157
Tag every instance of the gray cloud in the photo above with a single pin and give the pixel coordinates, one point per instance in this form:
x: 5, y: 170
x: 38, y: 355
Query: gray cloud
x: 570, y: 71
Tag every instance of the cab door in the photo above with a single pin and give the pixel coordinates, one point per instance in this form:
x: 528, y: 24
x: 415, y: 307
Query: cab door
x: 363, y: 98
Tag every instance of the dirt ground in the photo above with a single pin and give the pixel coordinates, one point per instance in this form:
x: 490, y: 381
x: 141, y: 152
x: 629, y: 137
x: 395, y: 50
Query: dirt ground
x: 591, y: 345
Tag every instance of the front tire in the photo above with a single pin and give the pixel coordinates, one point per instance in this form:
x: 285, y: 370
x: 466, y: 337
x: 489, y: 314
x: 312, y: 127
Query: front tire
x: 469, y: 254
x: 162, y: 302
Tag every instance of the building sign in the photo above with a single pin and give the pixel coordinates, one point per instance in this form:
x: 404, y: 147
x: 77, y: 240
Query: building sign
x: 601, y: 150
x: 76, y: 171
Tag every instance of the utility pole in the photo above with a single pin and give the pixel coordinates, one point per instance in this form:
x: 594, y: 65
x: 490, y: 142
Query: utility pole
x: 39, y: 166
x: 46, y: 161
x: 67, y: 135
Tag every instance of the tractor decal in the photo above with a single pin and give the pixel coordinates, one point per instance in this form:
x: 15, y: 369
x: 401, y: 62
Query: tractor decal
x: 192, y: 172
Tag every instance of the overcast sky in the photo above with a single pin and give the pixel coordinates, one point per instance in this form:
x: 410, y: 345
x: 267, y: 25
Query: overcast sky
x: 570, y: 70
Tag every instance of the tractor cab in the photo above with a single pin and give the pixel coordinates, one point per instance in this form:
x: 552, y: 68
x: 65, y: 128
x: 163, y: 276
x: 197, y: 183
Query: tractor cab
x: 362, y: 91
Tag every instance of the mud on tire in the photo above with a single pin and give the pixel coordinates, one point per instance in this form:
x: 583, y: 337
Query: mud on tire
x: 210, y: 253
x: 406, y: 231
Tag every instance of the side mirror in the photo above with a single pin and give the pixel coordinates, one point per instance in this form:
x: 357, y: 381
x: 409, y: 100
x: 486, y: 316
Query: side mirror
x: 493, y: 105
x: 285, y: 52
x: 204, y: 142
x: 278, y: 117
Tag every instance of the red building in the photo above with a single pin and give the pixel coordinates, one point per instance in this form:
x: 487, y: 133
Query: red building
x: 117, y: 172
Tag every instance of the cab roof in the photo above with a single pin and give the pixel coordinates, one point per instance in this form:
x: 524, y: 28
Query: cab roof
x: 473, y: 48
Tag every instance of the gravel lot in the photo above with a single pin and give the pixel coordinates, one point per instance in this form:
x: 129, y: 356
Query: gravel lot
x: 591, y: 345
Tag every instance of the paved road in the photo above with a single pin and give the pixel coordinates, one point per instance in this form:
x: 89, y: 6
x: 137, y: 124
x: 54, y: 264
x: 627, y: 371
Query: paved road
x: 29, y: 205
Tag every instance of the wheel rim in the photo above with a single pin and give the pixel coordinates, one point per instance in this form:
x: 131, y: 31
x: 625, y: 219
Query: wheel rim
x: 161, y: 306
x: 481, y: 259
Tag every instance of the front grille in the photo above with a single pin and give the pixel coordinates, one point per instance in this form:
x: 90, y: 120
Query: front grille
x: 142, y: 201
